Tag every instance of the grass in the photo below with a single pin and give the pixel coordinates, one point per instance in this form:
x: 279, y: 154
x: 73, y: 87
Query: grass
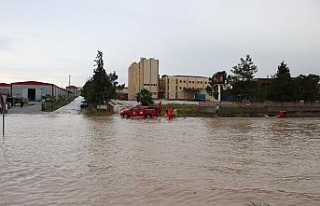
x: 52, y: 106
x: 184, y: 110
x: 95, y: 112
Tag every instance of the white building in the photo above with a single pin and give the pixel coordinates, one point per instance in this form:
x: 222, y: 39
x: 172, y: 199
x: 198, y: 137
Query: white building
x: 33, y: 90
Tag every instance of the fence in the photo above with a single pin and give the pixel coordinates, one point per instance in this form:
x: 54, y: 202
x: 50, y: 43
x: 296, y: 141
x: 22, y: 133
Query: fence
x: 259, y: 108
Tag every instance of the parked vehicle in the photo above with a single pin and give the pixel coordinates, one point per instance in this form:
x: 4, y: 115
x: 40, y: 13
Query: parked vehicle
x: 139, y: 111
x: 83, y: 104
x: 199, y: 97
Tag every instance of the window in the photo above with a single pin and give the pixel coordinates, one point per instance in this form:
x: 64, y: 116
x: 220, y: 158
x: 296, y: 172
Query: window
x: 184, y: 81
x: 180, y: 81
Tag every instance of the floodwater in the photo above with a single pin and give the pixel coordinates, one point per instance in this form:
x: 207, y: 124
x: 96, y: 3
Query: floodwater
x: 65, y: 158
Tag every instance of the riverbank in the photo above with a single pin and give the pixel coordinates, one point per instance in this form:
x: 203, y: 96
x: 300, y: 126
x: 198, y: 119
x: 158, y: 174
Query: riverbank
x: 259, y: 109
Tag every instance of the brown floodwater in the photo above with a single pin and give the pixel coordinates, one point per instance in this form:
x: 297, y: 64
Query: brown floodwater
x: 71, y: 159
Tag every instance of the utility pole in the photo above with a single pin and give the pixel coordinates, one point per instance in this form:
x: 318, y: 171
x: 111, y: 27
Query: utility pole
x: 3, y: 101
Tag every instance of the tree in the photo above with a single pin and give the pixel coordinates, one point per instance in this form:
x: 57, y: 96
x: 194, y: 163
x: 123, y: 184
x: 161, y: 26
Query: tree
x: 281, y: 87
x: 87, y: 90
x: 241, y: 79
x: 306, y: 88
x: 145, y: 97
x: 101, y: 88
x: 217, y: 79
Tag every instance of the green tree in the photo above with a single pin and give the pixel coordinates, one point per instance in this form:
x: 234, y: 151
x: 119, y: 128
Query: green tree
x: 241, y: 79
x: 101, y: 87
x: 87, y: 91
x: 217, y: 79
x: 306, y: 88
x: 144, y: 97
x: 281, y: 87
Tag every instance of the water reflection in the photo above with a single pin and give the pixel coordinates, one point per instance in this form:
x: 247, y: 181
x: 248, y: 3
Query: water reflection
x: 72, y: 159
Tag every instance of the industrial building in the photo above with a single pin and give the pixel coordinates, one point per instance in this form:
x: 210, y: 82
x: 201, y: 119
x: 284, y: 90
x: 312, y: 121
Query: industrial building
x: 143, y: 75
x: 32, y: 90
x: 182, y: 87
x: 5, y: 89
x: 73, y: 89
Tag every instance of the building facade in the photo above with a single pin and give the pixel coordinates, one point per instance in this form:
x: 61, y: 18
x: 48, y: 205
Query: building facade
x: 182, y: 87
x: 73, y: 89
x: 143, y: 75
x: 5, y: 89
x: 34, y: 91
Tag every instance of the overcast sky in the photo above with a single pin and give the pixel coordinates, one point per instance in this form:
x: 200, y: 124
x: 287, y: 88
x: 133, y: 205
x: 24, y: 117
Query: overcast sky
x: 50, y: 40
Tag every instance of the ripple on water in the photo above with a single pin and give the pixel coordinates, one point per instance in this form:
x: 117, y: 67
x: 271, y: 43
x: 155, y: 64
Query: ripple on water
x: 54, y: 159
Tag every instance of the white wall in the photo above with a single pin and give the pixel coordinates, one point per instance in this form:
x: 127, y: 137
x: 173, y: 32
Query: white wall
x: 22, y: 90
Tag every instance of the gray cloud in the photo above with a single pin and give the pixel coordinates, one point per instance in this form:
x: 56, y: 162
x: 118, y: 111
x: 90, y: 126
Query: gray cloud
x: 188, y: 37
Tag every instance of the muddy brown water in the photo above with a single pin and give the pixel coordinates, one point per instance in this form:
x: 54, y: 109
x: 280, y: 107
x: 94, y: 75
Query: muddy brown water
x: 70, y: 159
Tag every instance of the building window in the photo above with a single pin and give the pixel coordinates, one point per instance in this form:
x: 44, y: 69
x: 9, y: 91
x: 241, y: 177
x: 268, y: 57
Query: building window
x: 180, y: 81
x: 192, y: 81
x: 184, y: 81
x: 180, y: 88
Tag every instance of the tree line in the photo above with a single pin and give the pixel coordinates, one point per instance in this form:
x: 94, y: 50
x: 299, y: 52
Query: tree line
x: 241, y: 84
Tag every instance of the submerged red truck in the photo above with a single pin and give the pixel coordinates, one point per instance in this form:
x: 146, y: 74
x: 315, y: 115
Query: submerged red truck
x: 139, y: 111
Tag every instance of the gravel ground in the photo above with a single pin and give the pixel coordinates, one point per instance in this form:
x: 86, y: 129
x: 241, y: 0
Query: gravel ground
x: 29, y: 108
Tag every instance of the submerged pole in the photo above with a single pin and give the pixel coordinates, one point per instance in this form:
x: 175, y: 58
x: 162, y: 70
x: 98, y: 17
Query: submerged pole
x: 3, y: 123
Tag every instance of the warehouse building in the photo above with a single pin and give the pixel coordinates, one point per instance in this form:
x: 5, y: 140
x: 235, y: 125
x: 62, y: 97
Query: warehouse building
x: 5, y: 89
x: 34, y: 91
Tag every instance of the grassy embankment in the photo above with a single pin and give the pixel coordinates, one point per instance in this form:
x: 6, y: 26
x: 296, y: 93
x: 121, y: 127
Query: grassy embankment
x: 184, y: 110
x: 52, y: 105
x: 92, y: 111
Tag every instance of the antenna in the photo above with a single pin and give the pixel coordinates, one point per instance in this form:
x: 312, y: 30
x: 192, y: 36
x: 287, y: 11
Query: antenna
x: 69, y: 79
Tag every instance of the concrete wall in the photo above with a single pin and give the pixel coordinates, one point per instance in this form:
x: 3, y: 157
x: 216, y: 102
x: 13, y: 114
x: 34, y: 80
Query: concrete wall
x: 59, y: 92
x: 259, y: 109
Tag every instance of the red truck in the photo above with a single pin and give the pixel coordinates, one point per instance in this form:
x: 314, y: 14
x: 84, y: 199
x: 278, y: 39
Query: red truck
x: 139, y: 111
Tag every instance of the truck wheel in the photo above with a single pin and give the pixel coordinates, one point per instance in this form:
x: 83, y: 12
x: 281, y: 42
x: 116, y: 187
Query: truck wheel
x: 126, y: 116
x: 148, y: 116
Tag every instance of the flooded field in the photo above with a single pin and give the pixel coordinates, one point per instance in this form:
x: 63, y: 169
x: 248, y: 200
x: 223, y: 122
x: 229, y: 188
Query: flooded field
x: 64, y: 158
